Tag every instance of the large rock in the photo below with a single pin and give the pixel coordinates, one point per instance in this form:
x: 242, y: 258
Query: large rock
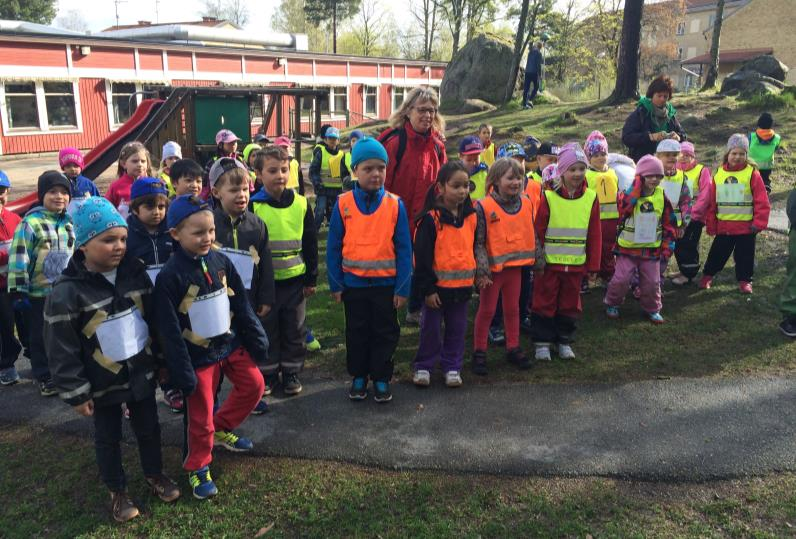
x: 476, y: 105
x: 750, y: 82
x: 478, y: 71
x: 767, y: 65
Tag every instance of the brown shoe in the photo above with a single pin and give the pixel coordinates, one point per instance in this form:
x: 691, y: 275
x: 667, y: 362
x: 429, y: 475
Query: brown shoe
x: 123, y: 507
x: 164, y: 488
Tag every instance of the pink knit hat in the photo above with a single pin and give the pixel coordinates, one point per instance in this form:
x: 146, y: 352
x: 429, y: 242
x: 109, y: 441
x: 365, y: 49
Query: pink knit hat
x: 70, y: 156
x: 687, y: 148
x: 570, y: 154
x: 595, y: 143
x: 649, y: 165
x: 550, y: 173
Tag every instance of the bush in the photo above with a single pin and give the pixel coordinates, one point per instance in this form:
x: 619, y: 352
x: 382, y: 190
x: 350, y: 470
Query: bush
x: 785, y: 100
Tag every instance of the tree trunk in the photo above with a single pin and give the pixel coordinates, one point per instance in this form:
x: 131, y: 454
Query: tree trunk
x: 334, y: 26
x: 457, y: 30
x: 430, y: 46
x: 713, y: 71
x: 626, y: 86
x: 518, y: 46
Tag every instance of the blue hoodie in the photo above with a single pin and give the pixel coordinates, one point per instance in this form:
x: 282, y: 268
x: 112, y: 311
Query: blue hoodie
x: 368, y: 202
x: 151, y: 249
x: 82, y: 185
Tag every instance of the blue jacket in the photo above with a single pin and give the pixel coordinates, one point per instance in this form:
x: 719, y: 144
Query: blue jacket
x: 151, y: 249
x: 82, y: 185
x: 184, y: 357
x: 534, y: 63
x: 368, y: 202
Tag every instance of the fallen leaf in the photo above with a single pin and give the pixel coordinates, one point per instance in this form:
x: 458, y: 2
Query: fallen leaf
x: 264, y: 530
x: 420, y: 407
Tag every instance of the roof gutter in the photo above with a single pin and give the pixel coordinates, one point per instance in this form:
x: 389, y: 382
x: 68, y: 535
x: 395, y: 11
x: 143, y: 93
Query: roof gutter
x: 190, y: 33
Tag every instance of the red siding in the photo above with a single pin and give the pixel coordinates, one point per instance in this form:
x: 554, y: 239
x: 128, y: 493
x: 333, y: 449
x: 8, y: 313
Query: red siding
x: 437, y: 72
x: 414, y: 72
x: 104, y: 57
x: 385, y: 101
x: 332, y: 69
x: 263, y: 66
x: 150, y: 60
x: 355, y: 101
x: 180, y: 61
x: 218, y: 63
x: 302, y: 67
x: 32, y: 54
x: 364, y: 70
x: 386, y: 71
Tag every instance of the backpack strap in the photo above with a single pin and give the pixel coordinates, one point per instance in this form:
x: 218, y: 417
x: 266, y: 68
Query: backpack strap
x: 400, y: 132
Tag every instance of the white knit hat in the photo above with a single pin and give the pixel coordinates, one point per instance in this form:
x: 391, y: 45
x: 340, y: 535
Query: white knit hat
x: 171, y: 149
x: 668, y: 145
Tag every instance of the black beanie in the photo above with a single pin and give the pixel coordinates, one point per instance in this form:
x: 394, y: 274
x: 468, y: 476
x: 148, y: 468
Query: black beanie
x: 765, y: 121
x: 50, y: 179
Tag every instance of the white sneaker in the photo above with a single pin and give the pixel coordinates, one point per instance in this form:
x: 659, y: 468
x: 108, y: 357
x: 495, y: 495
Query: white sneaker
x: 680, y: 280
x: 565, y: 351
x: 453, y: 379
x: 542, y: 352
x: 421, y: 378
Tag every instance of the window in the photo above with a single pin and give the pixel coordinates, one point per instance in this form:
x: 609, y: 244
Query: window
x: 121, y: 103
x: 60, y: 101
x: 21, y: 105
x: 340, y: 99
x: 695, y: 26
x: 371, y: 99
x: 398, y: 97
x: 40, y: 106
x: 680, y: 28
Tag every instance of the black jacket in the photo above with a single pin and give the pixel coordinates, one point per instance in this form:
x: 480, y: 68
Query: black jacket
x: 151, y: 249
x: 78, y: 296
x: 636, y: 133
x: 180, y: 273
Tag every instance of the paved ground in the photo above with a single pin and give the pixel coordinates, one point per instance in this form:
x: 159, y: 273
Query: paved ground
x: 682, y: 429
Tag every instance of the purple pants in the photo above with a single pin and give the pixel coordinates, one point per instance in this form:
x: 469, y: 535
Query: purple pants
x: 649, y: 282
x: 448, y: 350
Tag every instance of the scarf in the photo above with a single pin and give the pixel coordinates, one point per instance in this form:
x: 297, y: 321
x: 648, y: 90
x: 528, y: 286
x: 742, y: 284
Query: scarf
x: 659, y: 116
x: 765, y: 134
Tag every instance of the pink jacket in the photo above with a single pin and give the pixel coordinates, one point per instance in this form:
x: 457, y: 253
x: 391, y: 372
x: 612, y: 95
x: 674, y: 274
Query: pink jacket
x: 119, y: 190
x: 761, y: 209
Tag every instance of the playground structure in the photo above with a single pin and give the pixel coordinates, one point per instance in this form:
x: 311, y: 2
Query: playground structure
x: 191, y: 116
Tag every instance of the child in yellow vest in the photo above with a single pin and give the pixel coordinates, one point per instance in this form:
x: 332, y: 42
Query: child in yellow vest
x: 470, y: 149
x: 489, y: 153
x: 675, y: 187
x: 295, y: 179
x: 546, y: 155
x: 171, y: 154
x: 327, y: 171
x: 603, y: 180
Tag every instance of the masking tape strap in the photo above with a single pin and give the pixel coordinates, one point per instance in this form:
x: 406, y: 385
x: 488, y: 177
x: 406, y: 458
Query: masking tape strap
x: 255, y: 255
x: 91, y: 328
x: 195, y: 339
x: 189, y: 298
x: 106, y: 362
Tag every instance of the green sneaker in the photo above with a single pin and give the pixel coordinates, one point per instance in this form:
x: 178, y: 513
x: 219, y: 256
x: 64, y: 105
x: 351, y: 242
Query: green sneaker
x: 232, y: 442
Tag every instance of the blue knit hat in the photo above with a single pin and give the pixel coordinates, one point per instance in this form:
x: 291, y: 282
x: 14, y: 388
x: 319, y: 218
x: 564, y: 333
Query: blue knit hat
x: 183, y: 207
x: 4, y: 181
x: 368, y: 148
x: 147, y: 186
x: 93, y: 217
x: 357, y: 134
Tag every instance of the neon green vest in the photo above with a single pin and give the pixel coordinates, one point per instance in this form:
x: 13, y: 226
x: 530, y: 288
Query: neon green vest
x: 478, y: 185
x: 488, y: 155
x: 692, y: 179
x: 568, y: 227
x: 330, y: 168
x: 763, y: 154
x: 535, y: 176
x: 670, y: 186
x: 734, y: 198
x: 606, y: 185
x: 654, y: 202
x: 293, y: 179
x: 285, y: 231
x: 167, y: 181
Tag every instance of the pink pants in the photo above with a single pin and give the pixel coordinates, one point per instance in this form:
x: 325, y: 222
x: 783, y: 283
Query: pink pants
x: 508, y: 282
x: 649, y: 272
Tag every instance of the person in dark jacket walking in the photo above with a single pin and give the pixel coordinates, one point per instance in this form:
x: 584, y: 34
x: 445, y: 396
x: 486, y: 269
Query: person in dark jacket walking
x: 97, y: 334
x: 653, y: 120
x: 533, y: 74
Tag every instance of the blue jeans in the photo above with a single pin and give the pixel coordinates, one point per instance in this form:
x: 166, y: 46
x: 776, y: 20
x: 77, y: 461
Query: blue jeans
x: 325, y: 197
x: 530, y: 78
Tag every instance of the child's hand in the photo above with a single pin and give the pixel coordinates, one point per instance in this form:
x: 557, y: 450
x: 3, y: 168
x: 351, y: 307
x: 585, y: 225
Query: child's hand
x: 398, y: 301
x: 263, y: 310
x: 433, y: 301
x: 338, y: 296
x: 674, y: 136
x: 482, y: 282
x: 86, y: 409
x: 309, y: 291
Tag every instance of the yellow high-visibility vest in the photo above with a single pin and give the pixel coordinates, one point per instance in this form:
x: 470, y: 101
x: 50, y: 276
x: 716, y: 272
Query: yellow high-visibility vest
x: 734, y: 198
x: 285, y: 232
x: 606, y: 185
x: 568, y: 228
x: 644, y: 206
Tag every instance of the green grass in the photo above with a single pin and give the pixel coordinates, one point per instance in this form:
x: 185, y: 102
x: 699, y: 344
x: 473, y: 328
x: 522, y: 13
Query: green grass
x: 50, y: 488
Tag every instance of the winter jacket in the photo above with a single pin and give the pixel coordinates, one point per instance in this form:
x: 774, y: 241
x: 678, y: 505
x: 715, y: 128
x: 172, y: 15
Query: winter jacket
x: 317, y: 160
x: 368, y: 202
x: 79, y: 300
x: 180, y: 281
x: 593, y: 236
x: 534, y: 63
x: 638, y: 126
x: 8, y: 223
x: 626, y: 203
x: 119, y: 192
x: 420, y: 163
x: 83, y: 187
x: 309, y: 240
x: 151, y: 249
x: 761, y: 209
x: 241, y: 234
x: 42, y: 245
x: 699, y: 206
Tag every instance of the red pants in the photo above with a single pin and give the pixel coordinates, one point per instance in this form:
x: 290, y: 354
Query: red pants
x: 509, y: 283
x: 607, y: 260
x: 557, y: 292
x: 247, y: 390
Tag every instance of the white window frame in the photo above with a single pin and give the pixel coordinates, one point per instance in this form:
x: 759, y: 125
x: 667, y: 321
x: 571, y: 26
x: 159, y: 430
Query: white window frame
x: 41, y: 107
x: 139, y: 87
x: 333, y: 112
x: 365, y: 112
x: 392, y: 97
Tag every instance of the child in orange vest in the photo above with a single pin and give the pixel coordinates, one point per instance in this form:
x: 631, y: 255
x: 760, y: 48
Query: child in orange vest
x: 568, y: 226
x: 444, y: 273
x: 504, y: 242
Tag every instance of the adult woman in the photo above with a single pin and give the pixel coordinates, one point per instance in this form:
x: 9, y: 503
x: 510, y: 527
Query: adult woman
x: 653, y: 120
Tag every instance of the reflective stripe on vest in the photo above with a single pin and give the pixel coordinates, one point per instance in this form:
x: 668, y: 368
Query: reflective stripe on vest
x: 488, y: 155
x: 627, y: 236
x: 568, y: 228
x: 478, y: 186
x: 293, y: 179
x: 763, y: 154
x: 692, y: 179
x: 330, y: 168
x: 454, y: 258
x: 734, y: 198
x: 672, y: 181
x: 368, y: 248
x: 509, y: 238
x: 606, y: 185
x: 285, y: 232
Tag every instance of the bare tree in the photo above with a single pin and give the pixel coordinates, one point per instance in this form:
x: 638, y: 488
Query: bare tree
x: 453, y: 10
x: 515, y: 61
x: 234, y: 11
x: 477, y: 13
x: 425, y: 13
x: 713, y: 69
x: 371, y: 26
x: 72, y: 20
x: 626, y: 86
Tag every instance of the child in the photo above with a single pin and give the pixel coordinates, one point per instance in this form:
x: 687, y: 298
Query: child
x: 646, y: 234
x: 445, y: 273
x: 327, y: 171
x: 208, y: 327
x: 186, y: 178
x: 698, y: 178
x: 294, y: 250
x: 172, y: 152
x: 546, y: 155
x: 98, y: 342
x: 763, y: 145
x: 737, y: 209
x: 504, y: 242
x: 355, y: 136
x: 134, y: 163
x: 295, y: 180
x: 603, y: 180
x: 226, y: 146
x: 71, y: 162
x: 41, y: 248
x: 787, y: 298
x: 9, y: 345
x: 676, y: 188
x: 489, y: 153
x: 369, y: 261
x: 568, y: 225
x: 470, y: 149
x: 248, y: 160
x: 531, y: 149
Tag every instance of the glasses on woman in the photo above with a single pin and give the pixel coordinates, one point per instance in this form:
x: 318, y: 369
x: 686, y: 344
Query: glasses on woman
x: 426, y: 110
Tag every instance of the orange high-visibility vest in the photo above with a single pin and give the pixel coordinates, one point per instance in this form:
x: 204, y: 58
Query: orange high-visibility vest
x: 509, y: 238
x: 533, y: 190
x: 368, y: 248
x: 454, y: 258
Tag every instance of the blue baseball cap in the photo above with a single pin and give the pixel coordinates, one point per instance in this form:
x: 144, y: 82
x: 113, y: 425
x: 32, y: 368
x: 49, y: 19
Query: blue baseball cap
x: 183, y: 207
x: 147, y: 186
x: 332, y: 132
x: 470, y: 145
x: 4, y: 181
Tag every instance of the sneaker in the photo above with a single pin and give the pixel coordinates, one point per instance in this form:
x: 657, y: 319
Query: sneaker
x: 453, y: 379
x: 312, y: 344
x: 479, y: 363
x: 542, y: 352
x: 174, y: 401
x: 232, y: 442
x: 413, y: 319
x: 421, y: 378
x: 656, y: 318
x: 745, y: 287
x: 291, y: 384
x: 706, y: 282
x: 202, y: 484
x: 381, y: 392
x: 9, y: 376
x: 496, y: 336
x: 612, y: 312
x: 359, y: 389
x: 517, y: 357
x: 565, y: 351
x: 163, y: 487
x: 47, y: 388
x: 261, y: 408
x: 525, y: 324
x: 788, y: 327
x: 122, y: 507
x: 680, y: 280
x: 271, y: 381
